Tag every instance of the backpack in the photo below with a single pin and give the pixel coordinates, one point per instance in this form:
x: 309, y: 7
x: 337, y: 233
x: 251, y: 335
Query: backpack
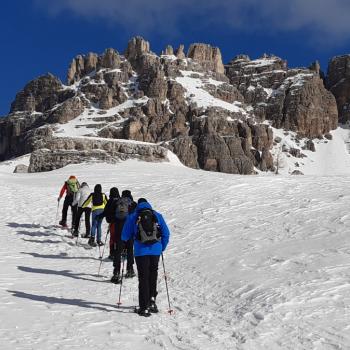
x: 72, y: 186
x: 122, y: 208
x: 110, y: 209
x: 97, y: 199
x: 148, y: 230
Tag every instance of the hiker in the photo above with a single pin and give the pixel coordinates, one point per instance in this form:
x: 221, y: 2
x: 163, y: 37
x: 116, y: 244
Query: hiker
x: 129, y: 245
x: 99, y: 201
x: 80, y: 198
x: 151, y: 236
x: 109, y: 214
x: 121, y: 213
x: 71, y: 187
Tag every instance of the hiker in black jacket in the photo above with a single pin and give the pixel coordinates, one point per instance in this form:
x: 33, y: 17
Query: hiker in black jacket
x: 125, y: 205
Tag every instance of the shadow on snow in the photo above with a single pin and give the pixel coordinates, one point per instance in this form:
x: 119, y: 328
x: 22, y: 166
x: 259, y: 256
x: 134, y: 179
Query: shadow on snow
x: 65, y: 273
x: 55, y: 300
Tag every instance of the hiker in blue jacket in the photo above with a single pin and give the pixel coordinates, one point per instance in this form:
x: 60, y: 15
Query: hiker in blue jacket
x: 151, y: 236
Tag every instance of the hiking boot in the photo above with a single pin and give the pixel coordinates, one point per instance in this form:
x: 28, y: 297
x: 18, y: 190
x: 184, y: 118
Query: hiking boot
x: 130, y: 273
x: 153, y: 306
x: 63, y: 224
x: 144, y: 312
x: 75, y: 233
x: 99, y: 243
x: 91, y: 242
x: 116, y: 278
x: 110, y: 257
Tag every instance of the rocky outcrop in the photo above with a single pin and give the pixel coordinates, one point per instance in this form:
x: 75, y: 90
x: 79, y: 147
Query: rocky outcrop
x: 209, y: 57
x: 293, y: 99
x: 21, y: 169
x: 338, y: 82
x: 40, y: 95
x: 55, y: 153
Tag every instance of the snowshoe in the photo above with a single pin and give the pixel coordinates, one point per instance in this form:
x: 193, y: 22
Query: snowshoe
x: 130, y: 273
x: 91, y: 242
x: 116, y: 278
x: 153, y: 306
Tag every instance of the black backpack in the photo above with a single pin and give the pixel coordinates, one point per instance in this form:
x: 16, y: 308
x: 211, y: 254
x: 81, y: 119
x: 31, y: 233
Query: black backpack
x: 109, y: 210
x: 148, y: 230
x: 122, y: 208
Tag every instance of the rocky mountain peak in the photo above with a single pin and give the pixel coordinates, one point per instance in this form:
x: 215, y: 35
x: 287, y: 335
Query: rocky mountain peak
x: 212, y: 116
x: 208, y: 56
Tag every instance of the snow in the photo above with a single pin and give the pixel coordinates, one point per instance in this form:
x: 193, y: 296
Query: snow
x: 262, y: 62
x: 254, y: 262
x: 203, y: 99
x: 331, y: 157
x: 90, y: 117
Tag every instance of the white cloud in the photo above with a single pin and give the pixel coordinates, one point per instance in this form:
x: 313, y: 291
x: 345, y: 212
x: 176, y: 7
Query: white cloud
x: 323, y: 20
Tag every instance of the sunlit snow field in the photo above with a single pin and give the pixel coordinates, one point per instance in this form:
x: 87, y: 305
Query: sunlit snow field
x: 254, y: 262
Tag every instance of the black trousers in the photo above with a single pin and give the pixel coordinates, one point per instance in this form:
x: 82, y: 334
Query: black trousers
x: 68, y: 201
x: 147, y: 270
x: 119, y: 246
x: 87, y: 212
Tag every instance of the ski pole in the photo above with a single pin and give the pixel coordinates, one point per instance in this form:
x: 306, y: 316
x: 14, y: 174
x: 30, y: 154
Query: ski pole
x: 103, y: 251
x: 58, y: 205
x: 121, y: 280
x: 170, y: 311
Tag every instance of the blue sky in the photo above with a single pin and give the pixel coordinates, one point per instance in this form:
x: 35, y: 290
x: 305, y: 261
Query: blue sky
x: 40, y: 36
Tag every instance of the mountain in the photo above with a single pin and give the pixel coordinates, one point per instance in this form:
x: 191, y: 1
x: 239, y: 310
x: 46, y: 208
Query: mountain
x: 237, y: 118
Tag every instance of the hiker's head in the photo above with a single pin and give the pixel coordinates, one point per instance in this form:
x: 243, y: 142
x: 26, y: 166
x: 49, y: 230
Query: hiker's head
x: 114, y: 192
x: 98, y: 188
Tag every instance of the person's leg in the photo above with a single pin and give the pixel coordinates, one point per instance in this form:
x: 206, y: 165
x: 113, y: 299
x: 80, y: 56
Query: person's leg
x: 65, y: 210
x: 130, y: 257
x: 143, y: 263
x: 112, y: 242
x: 117, y: 244
x: 77, y: 219
x: 87, y: 220
x: 74, y: 214
x: 94, y: 224
x: 153, y: 275
x: 117, y: 257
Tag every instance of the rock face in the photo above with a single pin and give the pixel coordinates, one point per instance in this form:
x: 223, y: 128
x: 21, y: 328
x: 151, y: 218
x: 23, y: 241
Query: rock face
x: 39, y: 95
x: 338, y: 82
x: 293, y: 99
x: 55, y: 153
x: 212, y: 116
x: 209, y: 57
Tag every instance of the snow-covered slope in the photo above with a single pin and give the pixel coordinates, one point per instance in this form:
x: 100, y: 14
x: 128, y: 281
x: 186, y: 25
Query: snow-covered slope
x: 331, y: 157
x: 254, y: 262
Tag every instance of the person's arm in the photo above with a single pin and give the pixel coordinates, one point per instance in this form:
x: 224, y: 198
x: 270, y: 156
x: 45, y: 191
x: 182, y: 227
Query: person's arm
x: 104, y: 199
x: 164, y: 230
x: 87, y: 202
x: 63, y: 189
x: 128, y: 229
